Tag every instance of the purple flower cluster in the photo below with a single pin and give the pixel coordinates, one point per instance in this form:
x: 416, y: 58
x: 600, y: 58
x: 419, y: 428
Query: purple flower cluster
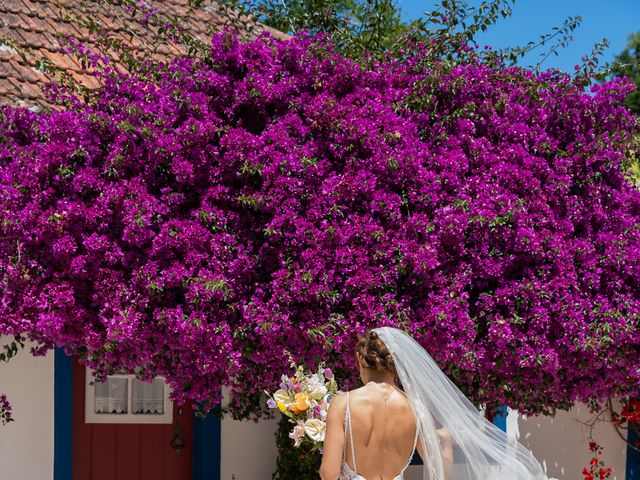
x: 200, y: 219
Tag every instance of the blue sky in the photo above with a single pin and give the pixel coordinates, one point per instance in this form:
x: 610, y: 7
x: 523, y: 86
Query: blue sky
x: 611, y: 19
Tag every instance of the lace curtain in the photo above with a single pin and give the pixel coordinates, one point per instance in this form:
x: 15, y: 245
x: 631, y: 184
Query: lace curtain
x: 111, y: 396
x: 147, y: 398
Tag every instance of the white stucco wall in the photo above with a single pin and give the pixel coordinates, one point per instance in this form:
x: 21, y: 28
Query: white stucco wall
x: 248, y: 450
x: 414, y: 472
x: 26, y: 445
x: 561, y: 443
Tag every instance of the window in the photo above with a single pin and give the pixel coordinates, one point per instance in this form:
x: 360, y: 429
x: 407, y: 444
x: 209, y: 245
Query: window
x: 125, y: 399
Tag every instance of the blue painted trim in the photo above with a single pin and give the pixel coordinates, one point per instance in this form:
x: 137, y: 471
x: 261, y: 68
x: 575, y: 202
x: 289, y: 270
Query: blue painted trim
x: 633, y: 456
x: 62, y: 415
x: 206, y: 447
x: 500, y: 418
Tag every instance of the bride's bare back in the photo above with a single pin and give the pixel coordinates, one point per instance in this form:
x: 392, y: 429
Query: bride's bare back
x: 384, y: 433
x: 383, y: 438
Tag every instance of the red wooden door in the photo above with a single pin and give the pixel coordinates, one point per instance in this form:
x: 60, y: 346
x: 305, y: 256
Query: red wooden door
x: 128, y: 451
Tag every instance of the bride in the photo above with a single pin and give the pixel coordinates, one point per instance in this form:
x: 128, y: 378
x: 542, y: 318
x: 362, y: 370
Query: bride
x: 407, y: 403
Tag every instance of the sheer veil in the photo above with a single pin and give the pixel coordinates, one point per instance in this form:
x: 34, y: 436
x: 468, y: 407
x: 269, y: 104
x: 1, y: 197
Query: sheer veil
x: 481, y: 450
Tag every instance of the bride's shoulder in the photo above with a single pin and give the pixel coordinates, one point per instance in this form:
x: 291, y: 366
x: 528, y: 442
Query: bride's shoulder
x: 337, y: 406
x: 339, y: 401
x: 361, y: 392
x: 401, y: 392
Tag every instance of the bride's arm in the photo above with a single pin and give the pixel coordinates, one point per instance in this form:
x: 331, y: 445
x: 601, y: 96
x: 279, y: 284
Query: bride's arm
x: 334, y: 439
x: 446, y: 448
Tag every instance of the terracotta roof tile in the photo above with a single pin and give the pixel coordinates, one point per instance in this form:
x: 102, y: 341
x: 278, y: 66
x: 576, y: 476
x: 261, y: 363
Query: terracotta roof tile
x: 5, y: 88
x: 37, y: 26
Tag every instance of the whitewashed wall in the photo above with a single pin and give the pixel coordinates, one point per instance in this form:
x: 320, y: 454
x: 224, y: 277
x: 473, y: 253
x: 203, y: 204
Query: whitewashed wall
x: 26, y: 445
x: 561, y: 443
x: 248, y: 449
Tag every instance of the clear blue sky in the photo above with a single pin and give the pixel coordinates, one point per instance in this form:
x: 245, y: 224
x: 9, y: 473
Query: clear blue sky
x: 611, y: 19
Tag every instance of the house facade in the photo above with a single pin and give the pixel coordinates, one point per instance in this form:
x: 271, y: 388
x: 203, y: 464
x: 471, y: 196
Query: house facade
x: 68, y: 428
x: 52, y: 437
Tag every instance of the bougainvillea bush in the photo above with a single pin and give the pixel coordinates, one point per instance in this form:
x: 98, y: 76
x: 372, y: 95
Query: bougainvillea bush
x: 196, y: 220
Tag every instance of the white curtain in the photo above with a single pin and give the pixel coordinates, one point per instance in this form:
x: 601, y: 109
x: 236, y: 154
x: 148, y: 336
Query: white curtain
x: 148, y: 398
x: 111, y: 396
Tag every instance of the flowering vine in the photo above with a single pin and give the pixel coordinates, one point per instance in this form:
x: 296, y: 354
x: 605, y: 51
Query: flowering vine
x: 627, y: 417
x: 196, y: 219
x: 5, y: 410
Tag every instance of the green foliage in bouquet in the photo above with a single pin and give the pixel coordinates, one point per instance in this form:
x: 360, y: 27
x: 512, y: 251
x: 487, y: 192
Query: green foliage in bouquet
x: 301, y: 463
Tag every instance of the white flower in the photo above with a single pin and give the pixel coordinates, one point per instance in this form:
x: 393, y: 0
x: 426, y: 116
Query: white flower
x: 317, y: 390
x: 282, y: 396
x: 315, y: 429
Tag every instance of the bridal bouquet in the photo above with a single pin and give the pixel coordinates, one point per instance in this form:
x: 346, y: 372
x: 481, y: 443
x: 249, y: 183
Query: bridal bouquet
x: 304, y: 398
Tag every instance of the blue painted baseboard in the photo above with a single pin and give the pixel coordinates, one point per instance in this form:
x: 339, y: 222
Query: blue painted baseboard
x: 633, y: 456
x: 63, y: 415
x: 206, y: 448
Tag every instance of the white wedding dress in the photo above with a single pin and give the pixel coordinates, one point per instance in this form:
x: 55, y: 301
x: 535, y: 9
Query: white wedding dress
x: 348, y: 473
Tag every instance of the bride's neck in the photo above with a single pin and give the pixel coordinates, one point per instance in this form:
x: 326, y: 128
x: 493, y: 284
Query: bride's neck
x: 379, y: 377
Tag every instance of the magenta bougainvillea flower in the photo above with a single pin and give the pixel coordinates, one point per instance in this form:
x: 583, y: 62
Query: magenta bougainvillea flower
x: 202, y: 219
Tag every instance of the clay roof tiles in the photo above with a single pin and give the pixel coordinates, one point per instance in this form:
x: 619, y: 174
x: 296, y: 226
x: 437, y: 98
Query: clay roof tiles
x: 38, y: 27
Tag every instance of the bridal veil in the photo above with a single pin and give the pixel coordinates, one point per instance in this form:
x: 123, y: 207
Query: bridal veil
x: 481, y: 450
